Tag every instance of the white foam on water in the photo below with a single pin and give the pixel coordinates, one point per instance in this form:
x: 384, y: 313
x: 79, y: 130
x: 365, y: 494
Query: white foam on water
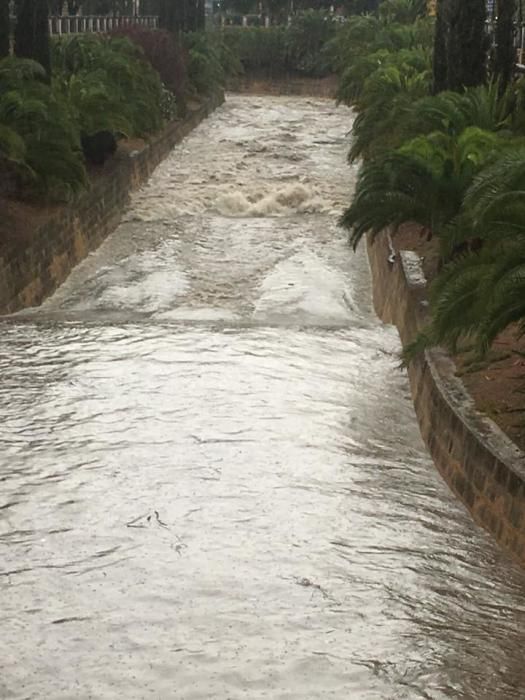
x: 198, y: 314
x: 304, y: 289
x: 285, y: 199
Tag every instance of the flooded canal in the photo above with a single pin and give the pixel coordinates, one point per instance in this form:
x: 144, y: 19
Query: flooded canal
x: 212, y: 480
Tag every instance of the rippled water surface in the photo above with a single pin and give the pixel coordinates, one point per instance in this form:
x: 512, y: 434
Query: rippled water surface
x: 212, y: 483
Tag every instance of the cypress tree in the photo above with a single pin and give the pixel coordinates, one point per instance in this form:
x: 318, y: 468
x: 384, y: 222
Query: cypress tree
x: 466, y: 43
x: 195, y: 16
x: 191, y: 16
x: 32, y: 32
x: 504, y: 54
x: 201, y: 15
x: 172, y: 15
x: 4, y: 28
x: 439, y: 58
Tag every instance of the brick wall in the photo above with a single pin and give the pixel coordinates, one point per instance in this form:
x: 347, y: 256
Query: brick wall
x: 31, y: 273
x: 285, y: 85
x: 481, y: 464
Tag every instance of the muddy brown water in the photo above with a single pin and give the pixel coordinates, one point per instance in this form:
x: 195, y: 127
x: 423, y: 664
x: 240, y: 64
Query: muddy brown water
x: 212, y: 483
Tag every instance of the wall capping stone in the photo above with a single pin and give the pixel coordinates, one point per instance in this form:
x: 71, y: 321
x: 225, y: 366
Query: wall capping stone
x: 477, y: 460
x: 33, y: 271
x: 284, y: 85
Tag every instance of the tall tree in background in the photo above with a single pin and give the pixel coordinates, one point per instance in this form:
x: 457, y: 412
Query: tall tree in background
x: 201, y: 15
x: 195, y: 15
x: 439, y: 59
x: 172, y: 15
x: 190, y: 24
x: 182, y: 15
x: 504, y: 54
x: 32, y: 32
x: 466, y: 42
x: 4, y: 28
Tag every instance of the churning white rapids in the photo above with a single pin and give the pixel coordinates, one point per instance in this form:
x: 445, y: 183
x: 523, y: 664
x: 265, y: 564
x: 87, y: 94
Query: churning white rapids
x: 212, y: 483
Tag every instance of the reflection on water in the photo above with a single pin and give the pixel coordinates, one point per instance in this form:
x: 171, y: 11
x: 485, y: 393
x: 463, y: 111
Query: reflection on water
x: 212, y: 482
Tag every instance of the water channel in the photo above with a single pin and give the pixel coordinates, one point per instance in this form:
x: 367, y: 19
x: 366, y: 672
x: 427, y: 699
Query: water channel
x: 212, y: 483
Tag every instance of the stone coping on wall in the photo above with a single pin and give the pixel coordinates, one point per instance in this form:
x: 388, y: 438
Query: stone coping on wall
x: 477, y: 460
x: 285, y: 85
x: 31, y: 272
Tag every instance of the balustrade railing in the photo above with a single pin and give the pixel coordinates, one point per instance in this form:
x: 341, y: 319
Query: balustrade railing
x: 80, y: 24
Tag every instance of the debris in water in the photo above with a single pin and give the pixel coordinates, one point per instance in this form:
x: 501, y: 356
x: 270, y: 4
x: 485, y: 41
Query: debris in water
x: 139, y: 520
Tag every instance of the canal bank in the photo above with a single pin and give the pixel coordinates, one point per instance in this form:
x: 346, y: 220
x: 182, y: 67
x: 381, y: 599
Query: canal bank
x: 477, y: 460
x: 33, y: 268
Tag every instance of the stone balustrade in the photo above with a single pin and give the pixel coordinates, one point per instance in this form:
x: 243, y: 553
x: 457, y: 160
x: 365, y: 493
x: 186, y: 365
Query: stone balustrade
x: 80, y: 24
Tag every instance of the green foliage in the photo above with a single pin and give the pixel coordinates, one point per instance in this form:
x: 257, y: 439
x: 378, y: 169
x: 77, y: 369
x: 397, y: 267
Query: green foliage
x: 108, y: 85
x: 364, y: 46
x: 385, y: 98
x: 424, y: 181
x: 352, y: 41
x: 306, y: 38
x: 452, y: 163
x: 278, y: 50
x: 101, y: 86
x: 163, y: 50
x: 37, y: 135
x: 477, y: 296
x: 205, y: 71
x: 452, y: 112
x: 260, y: 51
x: 402, y: 11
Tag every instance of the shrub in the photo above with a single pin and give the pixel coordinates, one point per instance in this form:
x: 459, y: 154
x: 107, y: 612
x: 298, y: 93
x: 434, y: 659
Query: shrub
x: 259, y: 50
x: 278, y: 50
x: 205, y: 69
x: 109, y: 87
x: 306, y: 39
x: 164, y: 52
x: 38, y: 137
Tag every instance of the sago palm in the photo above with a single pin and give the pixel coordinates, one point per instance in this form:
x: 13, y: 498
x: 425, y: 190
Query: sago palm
x: 453, y: 112
x: 475, y: 297
x: 402, y: 11
x: 424, y: 181
x: 39, y: 138
x: 478, y: 295
x: 387, y: 94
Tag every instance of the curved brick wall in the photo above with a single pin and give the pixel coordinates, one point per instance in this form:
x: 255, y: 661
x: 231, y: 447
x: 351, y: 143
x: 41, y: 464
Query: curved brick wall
x: 481, y: 464
x: 30, y: 273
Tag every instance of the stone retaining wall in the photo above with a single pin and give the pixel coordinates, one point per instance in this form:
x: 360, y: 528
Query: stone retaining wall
x: 30, y: 273
x: 285, y: 85
x: 477, y: 460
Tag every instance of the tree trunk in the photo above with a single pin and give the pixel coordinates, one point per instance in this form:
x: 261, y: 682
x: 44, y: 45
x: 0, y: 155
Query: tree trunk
x: 4, y: 28
x: 201, y: 15
x: 191, y: 16
x: 32, y: 33
x: 172, y: 15
x: 439, y: 59
x: 466, y: 43
x: 504, y: 55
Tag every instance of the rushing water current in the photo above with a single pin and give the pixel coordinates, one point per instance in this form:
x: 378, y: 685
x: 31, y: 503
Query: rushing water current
x: 212, y: 483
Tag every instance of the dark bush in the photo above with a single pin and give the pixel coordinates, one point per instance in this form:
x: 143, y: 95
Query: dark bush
x: 166, y: 55
x: 98, y: 147
x: 261, y: 51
